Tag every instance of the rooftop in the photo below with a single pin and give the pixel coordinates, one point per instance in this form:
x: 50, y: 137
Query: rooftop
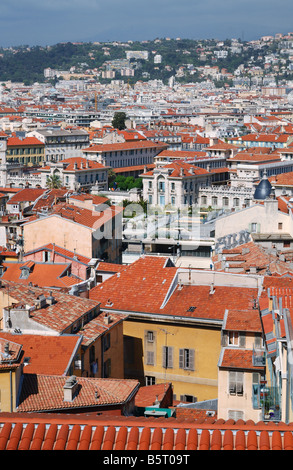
x: 34, y: 431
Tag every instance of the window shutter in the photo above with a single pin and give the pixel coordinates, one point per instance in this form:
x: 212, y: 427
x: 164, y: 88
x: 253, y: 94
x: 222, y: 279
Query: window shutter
x: 232, y: 383
x: 150, y: 358
x: 167, y: 355
x: 164, y: 356
x: 181, y: 358
x: 242, y: 340
x: 224, y: 339
x: 191, y: 359
x: 239, y: 383
x: 257, y: 342
x: 170, y: 357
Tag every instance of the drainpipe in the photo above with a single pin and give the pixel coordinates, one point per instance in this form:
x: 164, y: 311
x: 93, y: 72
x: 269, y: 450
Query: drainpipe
x: 102, y: 356
x: 287, y: 393
x: 11, y: 393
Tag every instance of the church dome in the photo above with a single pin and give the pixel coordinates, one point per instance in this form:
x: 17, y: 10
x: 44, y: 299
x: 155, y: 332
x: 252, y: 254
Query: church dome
x: 263, y: 189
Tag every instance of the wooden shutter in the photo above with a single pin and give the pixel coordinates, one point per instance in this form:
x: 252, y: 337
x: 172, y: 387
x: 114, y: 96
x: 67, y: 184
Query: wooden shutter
x: 181, y: 358
x: 191, y: 359
x: 232, y: 383
x: 150, y: 358
x: 167, y: 355
x: 242, y: 340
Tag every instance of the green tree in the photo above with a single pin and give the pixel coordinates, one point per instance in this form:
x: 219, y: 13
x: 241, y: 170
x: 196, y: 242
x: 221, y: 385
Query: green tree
x: 53, y: 182
x: 118, y: 121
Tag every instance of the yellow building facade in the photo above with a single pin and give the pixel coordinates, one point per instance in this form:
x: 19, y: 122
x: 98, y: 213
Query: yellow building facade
x: 180, y: 353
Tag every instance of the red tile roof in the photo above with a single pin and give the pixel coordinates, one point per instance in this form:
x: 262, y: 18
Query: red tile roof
x: 62, y: 252
x: 140, y: 144
x: 147, y: 276
x: 83, y: 216
x: 47, y: 354
x: 143, y: 287
x: 41, y: 431
x: 237, y: 358
x: 76, y: 164
x: 41, y: 274
x: 179, y: 166
x: 59, y: 316
x: 26, y: 195
x: 28, y: 141
x: 45, y: 393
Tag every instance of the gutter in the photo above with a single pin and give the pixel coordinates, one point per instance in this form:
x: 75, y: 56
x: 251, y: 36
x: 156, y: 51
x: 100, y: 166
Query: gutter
x: 161, y: 317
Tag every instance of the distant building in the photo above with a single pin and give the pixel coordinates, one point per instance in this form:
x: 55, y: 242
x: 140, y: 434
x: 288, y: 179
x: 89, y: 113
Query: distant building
x: 61, y: 143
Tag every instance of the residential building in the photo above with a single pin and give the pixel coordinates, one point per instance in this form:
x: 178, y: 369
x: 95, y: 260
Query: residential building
x: 262, y: 222
x: 76, y: 173
x: 41, y: 311
x: 241, y: 366
x: 61, y: 143
x: 124, y: 154
x: 92, y: 233
x: 175, y: 184
x: 175, y: 317
x: 27, y: 151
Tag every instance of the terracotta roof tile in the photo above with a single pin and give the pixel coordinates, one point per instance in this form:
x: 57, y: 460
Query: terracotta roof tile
x: 92, y: 432
x: 45, y: 392
x: 47, y: 354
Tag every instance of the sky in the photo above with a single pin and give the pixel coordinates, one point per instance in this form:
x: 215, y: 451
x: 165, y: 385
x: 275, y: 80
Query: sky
x: 37, y: 23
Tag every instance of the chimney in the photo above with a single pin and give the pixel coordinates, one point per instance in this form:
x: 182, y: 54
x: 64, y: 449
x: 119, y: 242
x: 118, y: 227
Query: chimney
x: 70, y: 388
x: 107, y: 319
x: 51, y: 300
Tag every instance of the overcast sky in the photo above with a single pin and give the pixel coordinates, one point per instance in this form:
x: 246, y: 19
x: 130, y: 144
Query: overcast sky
x: 33, y: 22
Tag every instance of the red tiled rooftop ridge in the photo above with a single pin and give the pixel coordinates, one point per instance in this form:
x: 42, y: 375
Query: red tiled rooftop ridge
x: 31, y: 431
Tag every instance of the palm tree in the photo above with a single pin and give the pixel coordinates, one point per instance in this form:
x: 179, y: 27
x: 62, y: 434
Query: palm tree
x: 53, y: 182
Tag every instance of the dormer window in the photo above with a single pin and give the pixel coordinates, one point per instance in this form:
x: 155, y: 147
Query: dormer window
x: 25, y: 272
x: 233, y: 338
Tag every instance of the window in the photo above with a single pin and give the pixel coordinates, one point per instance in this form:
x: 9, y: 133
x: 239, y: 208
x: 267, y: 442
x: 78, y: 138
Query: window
x: 233, y: 338
x: 235, y: 415
x: 225, y: 201
x: 253, y: 227
x: 236, y: 383
x: 150, y: 336
x: 167, y: 357
x: 186, y: 359
x: 280, y: 225
x: 173, y: 186
x: 236, y: 202
x: 150, y: 358
x: 150, y: 184
x: 107, y: 368
x: 203, y: 200
x: 214, y: 201
x: 106, y: 342
x: 149, y: 380
x: 188, y: 398
x: 173, y: 200
x: 161, y: 185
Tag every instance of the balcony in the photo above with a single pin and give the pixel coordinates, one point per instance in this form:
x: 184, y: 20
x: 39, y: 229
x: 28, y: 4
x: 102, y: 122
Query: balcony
x: 270, y: 403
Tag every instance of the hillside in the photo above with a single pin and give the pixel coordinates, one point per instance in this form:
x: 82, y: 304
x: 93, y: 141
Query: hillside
x: 27, y: 64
